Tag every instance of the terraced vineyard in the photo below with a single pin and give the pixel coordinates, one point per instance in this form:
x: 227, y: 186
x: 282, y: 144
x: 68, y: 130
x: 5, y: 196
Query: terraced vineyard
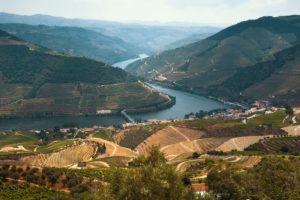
x: 66, y: 157
x: 132, y: 137
x: 239, y: 143
x: 201, y: 146
x: 168, y: 136
x: 288, y: 145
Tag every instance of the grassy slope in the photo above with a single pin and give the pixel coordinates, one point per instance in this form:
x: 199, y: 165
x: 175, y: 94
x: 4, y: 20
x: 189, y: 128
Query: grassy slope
x: 21, y: 138
x: 58, y: 144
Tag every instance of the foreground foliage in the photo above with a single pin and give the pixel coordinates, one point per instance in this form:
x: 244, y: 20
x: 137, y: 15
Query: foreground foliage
x: 273, y: 178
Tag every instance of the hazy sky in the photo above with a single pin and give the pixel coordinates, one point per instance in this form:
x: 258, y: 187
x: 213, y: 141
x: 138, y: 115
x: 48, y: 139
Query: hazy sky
x: 199, y: 11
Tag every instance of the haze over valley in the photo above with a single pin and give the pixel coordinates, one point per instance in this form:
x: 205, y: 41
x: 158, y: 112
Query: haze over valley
x: 161, y: 99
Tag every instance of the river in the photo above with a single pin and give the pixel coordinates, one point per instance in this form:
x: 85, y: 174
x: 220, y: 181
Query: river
x: 124, y: 64
x: 185, y: 103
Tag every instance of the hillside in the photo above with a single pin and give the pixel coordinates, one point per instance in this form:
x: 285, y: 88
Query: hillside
x: 279, y: 77
x: 75, y: 41
x: 37, y: 81
x: 149, y: 38
x: 211, y: 61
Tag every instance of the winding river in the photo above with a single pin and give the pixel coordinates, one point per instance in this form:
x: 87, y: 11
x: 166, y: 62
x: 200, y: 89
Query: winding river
x: 185, y: 103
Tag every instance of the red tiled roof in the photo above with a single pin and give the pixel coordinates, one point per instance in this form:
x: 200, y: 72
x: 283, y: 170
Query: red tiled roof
x: 199, y: 187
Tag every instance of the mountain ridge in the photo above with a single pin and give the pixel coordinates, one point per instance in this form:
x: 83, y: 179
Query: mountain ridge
x: 75, y: 41
x: 149, y: 38
x: 210, y: 62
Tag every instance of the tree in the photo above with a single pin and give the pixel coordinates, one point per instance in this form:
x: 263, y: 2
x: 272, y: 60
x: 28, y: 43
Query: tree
x: 273, y: 178
x: 285, y: 149
x: 42, y: 134
x: 101, y: 148
x: 52, y: 179
x: 195, y: 155
x: 152, y: 179
x: 19, y: 170
x: 201, y: 114
x: 79, y: 189
x: 5, y: 167
x: 186, y: 181
x: 15, y: 176
x: 56, y: 129
x: 289, y: 110
x: 4, y: 174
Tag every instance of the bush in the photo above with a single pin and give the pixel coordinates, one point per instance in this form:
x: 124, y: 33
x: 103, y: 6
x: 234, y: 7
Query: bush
x: 196, y: 155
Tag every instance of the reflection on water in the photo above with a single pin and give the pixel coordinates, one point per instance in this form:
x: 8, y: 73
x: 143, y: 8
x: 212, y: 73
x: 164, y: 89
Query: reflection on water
x: 185, y: 103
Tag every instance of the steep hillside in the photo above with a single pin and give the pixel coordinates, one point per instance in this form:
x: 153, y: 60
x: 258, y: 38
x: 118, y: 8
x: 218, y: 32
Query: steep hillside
x: 37, y: 81
x: 75, y: 41
x: 217, y: 58
x: 266, y: 79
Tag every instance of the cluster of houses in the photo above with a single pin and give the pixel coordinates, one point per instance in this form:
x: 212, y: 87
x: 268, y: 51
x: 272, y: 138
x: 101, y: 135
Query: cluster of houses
x: 157, y: 121
x: 258, y: 107
x: 161, y: 78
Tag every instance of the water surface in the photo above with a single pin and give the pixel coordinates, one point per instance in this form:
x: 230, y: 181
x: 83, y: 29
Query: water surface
x: 185, y: 103
x: 123, y: 64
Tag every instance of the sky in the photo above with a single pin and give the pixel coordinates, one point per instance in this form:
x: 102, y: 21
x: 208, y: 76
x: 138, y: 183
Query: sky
x: 218, y: 12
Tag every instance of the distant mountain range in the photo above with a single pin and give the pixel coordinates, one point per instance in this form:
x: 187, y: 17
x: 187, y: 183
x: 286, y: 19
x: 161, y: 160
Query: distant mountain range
x: 186, y: 41
x: 233, y: 61
x: 75, y: 41
x: 36, y: 81
x: 149, y: 39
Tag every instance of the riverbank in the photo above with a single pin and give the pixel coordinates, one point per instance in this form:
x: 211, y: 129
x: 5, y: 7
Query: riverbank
x: 181, y: 104
x: 172, y: 85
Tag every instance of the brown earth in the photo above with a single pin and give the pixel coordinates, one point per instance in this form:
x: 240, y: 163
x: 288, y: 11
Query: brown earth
x: 200, y: 145
x: 296, y: 110
x: 112, y: 149
x: 120, y: 135
x: 292, y: 130
x: 239, y: 143
x: 168, y: 136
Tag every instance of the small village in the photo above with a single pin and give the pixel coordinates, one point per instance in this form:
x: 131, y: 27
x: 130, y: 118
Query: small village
x: 256, y: 109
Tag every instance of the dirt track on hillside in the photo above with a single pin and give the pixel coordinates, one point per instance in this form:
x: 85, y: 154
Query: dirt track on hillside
x: 168, y: 136
x: 200, y: 145
x: 112, y: 149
